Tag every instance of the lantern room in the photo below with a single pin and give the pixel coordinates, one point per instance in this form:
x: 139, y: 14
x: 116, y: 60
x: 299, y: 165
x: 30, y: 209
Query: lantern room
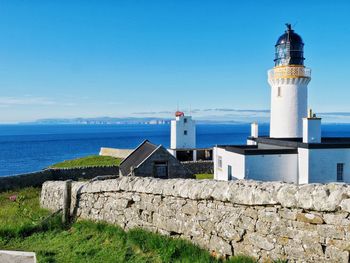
x: 289, y: 49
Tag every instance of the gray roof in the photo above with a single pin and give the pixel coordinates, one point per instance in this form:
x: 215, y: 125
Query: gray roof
x: 137, y: 157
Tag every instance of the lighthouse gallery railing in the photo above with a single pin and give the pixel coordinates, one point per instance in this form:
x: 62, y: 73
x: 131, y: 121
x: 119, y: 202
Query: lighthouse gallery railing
x: 289, y: 72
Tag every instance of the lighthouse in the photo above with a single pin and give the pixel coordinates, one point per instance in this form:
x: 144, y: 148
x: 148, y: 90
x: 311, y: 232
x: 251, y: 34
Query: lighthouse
x: 295, y: 152
x: 183, y: 132
x: 288, y: 80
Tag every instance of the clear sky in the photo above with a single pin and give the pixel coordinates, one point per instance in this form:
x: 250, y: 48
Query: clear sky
x: 136, y: 58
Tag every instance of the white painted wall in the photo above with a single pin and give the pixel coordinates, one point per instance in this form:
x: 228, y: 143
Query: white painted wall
x: 254, y: 130
x: 288, y: 107
x: 251, y: 142
x: 178, y: 140
x: 311, y: 130
x: 272, y: 167
x: 323, y: 165
x: 172, y: 152
x: 237, y: 161
x: 303, y: 166
x: 308, y: 166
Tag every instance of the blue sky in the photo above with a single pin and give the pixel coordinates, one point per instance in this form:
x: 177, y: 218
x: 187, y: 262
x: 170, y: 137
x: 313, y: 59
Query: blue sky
x: 137, y: 58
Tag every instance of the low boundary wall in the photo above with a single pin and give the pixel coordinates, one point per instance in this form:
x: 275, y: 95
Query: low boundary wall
x: 266, y: 220
x: 200, y: 167
x: 38, y: 178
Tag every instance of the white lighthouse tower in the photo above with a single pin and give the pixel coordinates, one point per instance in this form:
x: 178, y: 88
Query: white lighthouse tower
x: 183, y: 132
x: 288, y: 80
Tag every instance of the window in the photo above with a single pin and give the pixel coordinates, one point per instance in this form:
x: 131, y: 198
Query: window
x: 220, y: 162
x: 185, y: 132
x: 279, y: 92
x: 185, y: 120
x: 229, y: 173
x: 340, y: 172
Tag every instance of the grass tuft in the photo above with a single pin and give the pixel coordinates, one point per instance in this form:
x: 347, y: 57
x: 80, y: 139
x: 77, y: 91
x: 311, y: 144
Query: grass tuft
x: 204, y: 176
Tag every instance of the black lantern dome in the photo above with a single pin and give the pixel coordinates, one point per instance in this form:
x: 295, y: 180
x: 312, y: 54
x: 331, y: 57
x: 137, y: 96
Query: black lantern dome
x: 289, y: 49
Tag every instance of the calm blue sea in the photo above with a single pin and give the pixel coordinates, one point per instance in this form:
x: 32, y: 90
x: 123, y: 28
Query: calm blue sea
x: 27, y: 148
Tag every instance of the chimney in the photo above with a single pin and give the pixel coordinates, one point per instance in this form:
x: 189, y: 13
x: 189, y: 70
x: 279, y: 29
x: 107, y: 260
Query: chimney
x: 311, y: 128
x: 254, y: 130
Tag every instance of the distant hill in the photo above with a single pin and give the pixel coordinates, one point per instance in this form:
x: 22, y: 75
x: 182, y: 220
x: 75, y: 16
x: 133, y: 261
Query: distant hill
x: 104, y: 120
x: 127, y: 120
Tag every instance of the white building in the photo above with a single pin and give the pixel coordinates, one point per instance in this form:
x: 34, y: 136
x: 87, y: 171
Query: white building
x: 183, y: 132
x: 294, y: 151
x: 183, y: 140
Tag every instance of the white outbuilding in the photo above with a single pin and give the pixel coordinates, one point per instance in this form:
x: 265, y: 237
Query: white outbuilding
x: 183, y: 140
x: 295, y: 151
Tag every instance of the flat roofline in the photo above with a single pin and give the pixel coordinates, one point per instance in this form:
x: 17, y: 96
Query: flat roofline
x: 326, y: 142
x: 190, y: 149
x: 254, y: 150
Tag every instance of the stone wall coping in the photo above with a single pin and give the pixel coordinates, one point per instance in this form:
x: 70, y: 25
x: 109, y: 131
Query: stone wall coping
x: 59, y: 168
x: 315, y: 197
x: 36, y: 179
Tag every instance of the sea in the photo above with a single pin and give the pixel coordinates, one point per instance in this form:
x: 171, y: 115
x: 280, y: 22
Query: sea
x: 29, y: 148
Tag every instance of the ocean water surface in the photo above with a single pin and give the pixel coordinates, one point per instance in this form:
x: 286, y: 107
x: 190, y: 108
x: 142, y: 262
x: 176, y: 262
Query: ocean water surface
x: 28, y: 148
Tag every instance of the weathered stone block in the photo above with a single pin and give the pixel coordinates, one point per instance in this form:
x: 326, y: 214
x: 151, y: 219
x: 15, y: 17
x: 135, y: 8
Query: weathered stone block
x: 220, y: 246
x: 294, y: 250
x: 334, y: 254
x: 259, y: 241
x: 330, y: 231
x: 345, y: 205
x: 303, y: 196
x: 336, y: 219
x: 313, y: 249
x: 190, y: 208
x: 310, y: 218
x: 7, y: 256
x: 245, y: 248
x: 340, y: 244
x: 286, y: 195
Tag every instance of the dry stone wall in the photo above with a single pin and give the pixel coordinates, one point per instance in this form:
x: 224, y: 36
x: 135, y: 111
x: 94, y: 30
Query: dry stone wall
x: 200, y: 167
x: 36, y: 179
x: 266, y: 220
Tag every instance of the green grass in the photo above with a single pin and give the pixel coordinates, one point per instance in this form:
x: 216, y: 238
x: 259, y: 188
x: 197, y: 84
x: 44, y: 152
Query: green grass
x: 86, y: 241
x: 16, y: 223
x: 204, y: 176
x: 88, y: 161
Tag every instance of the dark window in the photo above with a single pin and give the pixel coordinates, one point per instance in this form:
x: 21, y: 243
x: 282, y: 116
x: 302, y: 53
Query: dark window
x: 229, y: 172
x: 185, y: 120
x: 185, y: 132
x: 279, y: 93
x: 340, y: 172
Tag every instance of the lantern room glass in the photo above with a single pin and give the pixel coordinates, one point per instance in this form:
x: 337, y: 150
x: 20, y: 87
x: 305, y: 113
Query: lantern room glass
x: 289, y: 49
